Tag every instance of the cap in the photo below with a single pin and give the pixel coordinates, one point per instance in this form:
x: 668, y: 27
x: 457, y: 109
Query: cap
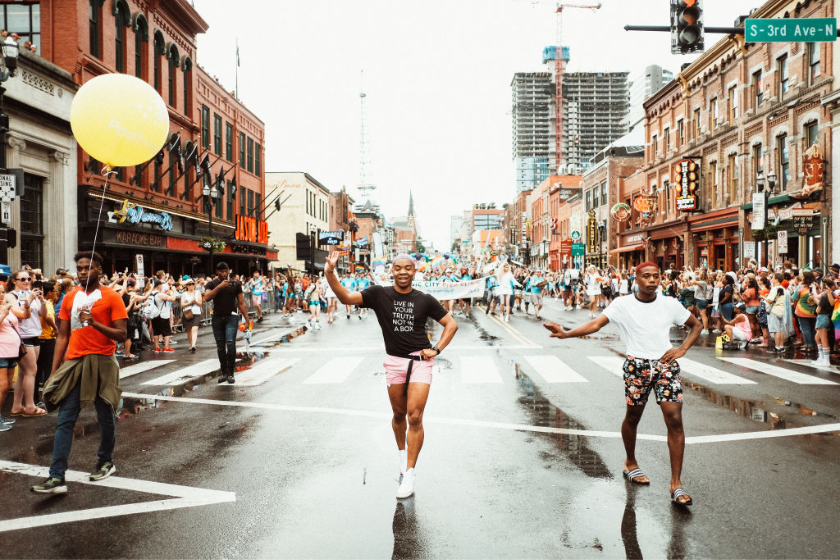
x: 189, y: 281
x: 222, y: 266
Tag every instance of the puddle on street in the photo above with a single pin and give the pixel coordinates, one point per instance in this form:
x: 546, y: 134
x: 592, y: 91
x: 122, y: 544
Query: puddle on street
x: 544, y: 413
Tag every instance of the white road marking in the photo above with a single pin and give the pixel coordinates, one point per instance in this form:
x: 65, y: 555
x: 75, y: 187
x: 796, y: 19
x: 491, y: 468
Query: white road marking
x: 381, y: 349
x: 336, y: 370
x: 181, y: 497
x: 141, y: 367
x: 613, y: 364
x: 479, y: 369
x: 553, y: 370
x: 764, y: 435
x: 263, y: 371
x: 776, y: 371
x: 185, y: 374
x: 712, y: 374
x: 809, y: 363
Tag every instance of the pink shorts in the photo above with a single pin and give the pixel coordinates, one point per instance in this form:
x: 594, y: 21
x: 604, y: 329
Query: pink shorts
x: 395, y: 370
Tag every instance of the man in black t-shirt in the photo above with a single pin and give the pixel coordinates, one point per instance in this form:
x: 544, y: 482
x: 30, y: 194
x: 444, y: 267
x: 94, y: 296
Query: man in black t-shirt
x: 226, y: 296
x: 402, y: 312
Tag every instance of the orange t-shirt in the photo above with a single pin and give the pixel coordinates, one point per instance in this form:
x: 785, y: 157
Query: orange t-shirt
x: 88, y: 340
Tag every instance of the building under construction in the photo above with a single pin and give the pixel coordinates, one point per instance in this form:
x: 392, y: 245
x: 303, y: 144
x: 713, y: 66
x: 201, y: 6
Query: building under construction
x: 533, y: 127
x: 596, y: 106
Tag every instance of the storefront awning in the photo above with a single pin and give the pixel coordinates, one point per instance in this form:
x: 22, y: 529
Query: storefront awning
x: 629, y: 249
x: 716, y: 224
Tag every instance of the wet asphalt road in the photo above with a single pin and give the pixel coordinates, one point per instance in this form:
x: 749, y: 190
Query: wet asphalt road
x: 301, y: 462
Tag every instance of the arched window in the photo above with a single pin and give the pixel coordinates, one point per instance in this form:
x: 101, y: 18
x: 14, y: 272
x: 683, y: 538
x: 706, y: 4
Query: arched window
x: 122, y: 19
x: 160, y: 50
x: 174, y: 62
x: 186, y: 66
x: 94, y: 23
x: 141, y: 37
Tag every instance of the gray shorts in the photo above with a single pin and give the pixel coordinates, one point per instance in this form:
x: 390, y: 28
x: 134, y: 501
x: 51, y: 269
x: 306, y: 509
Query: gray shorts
x: 536, y: 298
x: 775, y: 323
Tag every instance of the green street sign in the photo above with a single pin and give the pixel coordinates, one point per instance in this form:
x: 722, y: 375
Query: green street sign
x: 578, y: 249
x: 790, y: 30
x: 576, y: 235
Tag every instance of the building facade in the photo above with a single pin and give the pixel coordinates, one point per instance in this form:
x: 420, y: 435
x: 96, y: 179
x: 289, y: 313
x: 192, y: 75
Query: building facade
x: 642, y: 86
x: 533, y: 128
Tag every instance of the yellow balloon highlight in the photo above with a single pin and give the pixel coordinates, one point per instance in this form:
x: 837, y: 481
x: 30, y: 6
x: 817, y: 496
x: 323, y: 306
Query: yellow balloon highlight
x: 119, y: 120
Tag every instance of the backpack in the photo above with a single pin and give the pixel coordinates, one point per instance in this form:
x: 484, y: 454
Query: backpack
x: 151, y: 310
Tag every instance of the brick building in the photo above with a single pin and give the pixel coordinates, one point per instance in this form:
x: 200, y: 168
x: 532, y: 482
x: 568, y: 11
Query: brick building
x: 746, y: 114
x: 156, y: 41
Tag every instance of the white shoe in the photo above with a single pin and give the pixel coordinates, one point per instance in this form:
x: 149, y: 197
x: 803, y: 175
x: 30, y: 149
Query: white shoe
x: 406, y: 489
x: 580, y: 307
x: 318, y: 325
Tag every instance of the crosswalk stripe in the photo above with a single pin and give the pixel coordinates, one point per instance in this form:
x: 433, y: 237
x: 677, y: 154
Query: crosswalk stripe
x: 185, y: 374
x: 613, y: 364
x: 712, y: 374
x: 141, y: 367
x: 479, y: 369
x: 776, y: 371
x: 809, y: 363
x: 263, y: 371
x: 337, y: 370
x: 553, y: 370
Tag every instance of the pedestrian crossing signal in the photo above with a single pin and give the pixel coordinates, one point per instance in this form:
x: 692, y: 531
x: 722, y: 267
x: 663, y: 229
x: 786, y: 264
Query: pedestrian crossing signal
x: 687, y: 32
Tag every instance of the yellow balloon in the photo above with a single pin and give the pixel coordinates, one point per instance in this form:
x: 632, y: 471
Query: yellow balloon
x: 120, y: 120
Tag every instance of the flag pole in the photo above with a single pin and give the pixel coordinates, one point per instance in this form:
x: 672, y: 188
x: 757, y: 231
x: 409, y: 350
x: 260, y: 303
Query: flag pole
x: 237, y: 69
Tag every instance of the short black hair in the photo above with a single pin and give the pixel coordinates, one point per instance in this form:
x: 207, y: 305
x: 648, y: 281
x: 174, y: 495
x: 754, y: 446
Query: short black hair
x: 94, y: 257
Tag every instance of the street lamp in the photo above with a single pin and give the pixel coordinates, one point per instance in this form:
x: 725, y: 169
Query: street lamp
x: 211, y: 197
x: 10, y: 54
x: 601, y: 227
x: 312, y: 230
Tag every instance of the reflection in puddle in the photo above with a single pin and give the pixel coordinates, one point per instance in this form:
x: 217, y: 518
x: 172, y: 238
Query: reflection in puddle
x: 543, y: 413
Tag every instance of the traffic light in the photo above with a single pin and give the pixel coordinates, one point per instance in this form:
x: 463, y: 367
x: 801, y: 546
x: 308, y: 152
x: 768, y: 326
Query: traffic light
x: 302, y: 246
x: 687, y: 35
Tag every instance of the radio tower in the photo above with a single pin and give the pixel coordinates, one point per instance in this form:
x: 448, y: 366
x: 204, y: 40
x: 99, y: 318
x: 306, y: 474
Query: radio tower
x: 365, y: 188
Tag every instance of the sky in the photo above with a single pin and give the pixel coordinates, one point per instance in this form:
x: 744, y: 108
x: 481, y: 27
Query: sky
x: 437, y: 79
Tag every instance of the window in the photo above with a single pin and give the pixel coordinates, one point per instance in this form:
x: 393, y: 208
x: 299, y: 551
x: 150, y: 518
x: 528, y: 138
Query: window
x: 666, y: 186
x: 667, y: 144
x: 141, y: 36
x: 759, y: 88
x: 217, y: 134
x: 174, y: 62
x: 784, y: 160
x: 229, y: 141
x: 122, y: 19
x: 713, y: 176
x: 242, y: 193
x: 242, y: 150
x: 680, y: 133
x: 160, y: 50
x: 251, y: 155
x: 258, y: 160
x: 257, y: 207
x: 696, y: 124
x: 758, y: 161
x: 588, y: 200
x: 713, y: 113
x: 229, y: 203
x: 733, y: 178
x: 173, y: 173
x: 94, y: 16
x: 812, y: 134
x: 604, y: 192
x: 32, y: 221
x: 596, y: 200
x: 156, y: 186
x: 654, y: 142
x: 733, y: 104
x: 24, y: 18
x: 782, y: 75
x: 205, y: 126
x: 813, y: 62
x: 220, y: 203
x: 187, y: 67
x: 250, y: 203
x: 120, y: 174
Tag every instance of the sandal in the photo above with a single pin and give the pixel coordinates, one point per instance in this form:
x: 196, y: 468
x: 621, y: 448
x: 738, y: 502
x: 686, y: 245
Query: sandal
x: 41, y: 412
x: 15, y: 414
x: 679, y: 492
x: 634, y: 476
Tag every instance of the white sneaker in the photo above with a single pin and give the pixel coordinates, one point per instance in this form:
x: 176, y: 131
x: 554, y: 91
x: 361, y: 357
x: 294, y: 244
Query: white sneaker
x: 403, y: 456
x: 580, y: 307
x: 318, y: 325
x: 406, y: 489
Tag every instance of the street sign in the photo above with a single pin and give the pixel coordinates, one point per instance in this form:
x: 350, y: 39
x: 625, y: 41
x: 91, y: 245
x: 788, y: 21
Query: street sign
x: 578, y: 249
x: 7, y: 188
x: 575, y: 235
x: 790, y: 30
x: 5, y: 212
x: 782, y: 241
x: 749, y: 250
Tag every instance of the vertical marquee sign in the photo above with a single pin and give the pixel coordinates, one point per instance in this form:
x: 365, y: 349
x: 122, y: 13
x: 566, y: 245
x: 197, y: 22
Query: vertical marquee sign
x: 251, y: 229
x: 687, y: 184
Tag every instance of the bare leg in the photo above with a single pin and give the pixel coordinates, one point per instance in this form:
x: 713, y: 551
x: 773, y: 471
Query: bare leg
x: 672, y: 412
x: 418, y: 394
x: 628, y: 435
x: 399, y: 405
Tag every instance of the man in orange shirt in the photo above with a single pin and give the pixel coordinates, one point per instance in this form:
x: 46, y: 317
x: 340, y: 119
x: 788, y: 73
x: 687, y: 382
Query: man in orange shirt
x: 84, y: 370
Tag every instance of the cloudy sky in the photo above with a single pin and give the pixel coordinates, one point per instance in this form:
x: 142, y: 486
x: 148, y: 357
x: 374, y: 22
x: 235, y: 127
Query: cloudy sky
x: 437, y: 76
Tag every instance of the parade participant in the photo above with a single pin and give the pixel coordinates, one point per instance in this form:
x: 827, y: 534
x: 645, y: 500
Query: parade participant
x: 191, y: 305
x: 466, y: 276
x: 593, y: 288
x: 314, y: 296
x: 645, y: 321
x: 536, y: 284
x: 402, y: 312
x: 226, y: 296
x: 504, y: 289
x: 825, y: 307
x: 84, y: 370
x: 362, y: 284
x: 349, y: 284
x: 256, y: 286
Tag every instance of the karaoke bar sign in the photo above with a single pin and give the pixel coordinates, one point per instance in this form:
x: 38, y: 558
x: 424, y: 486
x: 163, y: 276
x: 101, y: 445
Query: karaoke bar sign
x: 687, y: 184
x: 251, y: 229
x: 331, y: 237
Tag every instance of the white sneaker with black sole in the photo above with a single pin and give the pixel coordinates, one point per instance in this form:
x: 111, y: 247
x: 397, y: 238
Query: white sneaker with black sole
x: 406, y: 489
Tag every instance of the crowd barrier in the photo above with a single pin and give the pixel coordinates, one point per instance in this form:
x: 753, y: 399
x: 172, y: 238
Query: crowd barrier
x: 177, y: 313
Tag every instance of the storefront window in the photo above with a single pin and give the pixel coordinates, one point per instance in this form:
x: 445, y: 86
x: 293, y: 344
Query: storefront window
x: 31, y: 222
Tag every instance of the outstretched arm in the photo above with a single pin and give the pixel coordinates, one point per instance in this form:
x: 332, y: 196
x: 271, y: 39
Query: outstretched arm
x: 592, y: 326
x: 344, y: 296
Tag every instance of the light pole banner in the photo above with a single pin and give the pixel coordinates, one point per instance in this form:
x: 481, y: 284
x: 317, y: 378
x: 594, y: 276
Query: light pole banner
x: 759, y: 210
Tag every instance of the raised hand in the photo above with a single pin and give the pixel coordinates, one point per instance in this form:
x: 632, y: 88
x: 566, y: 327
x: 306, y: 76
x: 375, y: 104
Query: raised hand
x: 331, y: 262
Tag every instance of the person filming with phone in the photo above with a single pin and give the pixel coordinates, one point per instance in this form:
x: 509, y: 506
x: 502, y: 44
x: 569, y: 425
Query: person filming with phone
x: 226, y: 296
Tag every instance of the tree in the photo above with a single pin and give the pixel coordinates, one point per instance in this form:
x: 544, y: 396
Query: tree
x: 420, y: 247
x: 456, y: 246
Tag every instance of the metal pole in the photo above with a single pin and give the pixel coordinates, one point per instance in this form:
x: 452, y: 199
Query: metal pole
x: 210, y: 223
x: 724, y: 30
x: 4, y: 128
x: 766, y: 239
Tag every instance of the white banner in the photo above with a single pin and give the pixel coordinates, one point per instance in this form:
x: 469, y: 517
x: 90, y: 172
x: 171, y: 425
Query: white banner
x: 450, y: 290
x: 759, y: 208
x: 783, y: 242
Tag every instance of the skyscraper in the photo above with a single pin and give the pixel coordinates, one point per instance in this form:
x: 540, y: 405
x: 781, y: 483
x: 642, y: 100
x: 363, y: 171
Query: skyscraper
x: 642, y: 86
x: 533, y: 128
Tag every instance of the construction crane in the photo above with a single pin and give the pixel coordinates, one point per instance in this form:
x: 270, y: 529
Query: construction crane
x: 558, y: 74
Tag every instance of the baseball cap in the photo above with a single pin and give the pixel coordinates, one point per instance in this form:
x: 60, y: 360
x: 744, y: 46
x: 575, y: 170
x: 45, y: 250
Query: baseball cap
x: 222, y: 266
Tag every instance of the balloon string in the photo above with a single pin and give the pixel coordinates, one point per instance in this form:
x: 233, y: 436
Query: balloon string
x: 107, y: 171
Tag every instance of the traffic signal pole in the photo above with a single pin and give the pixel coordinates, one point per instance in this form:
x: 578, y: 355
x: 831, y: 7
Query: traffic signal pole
x: 723, y: 30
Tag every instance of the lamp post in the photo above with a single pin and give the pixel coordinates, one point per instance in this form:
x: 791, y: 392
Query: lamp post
x: 10, y: 54
x: 768, y: 192
x: 312, y: 246
x: 211, y: 197
x: 601, y: 227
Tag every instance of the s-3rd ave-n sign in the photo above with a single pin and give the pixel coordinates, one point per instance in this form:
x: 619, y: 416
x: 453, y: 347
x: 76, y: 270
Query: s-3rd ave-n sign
x: 790, y: 30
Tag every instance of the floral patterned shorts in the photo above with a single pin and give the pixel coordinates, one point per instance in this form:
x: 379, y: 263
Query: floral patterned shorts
x: 642, y: 376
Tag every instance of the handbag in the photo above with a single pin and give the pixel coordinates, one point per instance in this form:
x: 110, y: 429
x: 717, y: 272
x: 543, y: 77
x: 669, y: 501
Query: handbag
x: 188, y: 314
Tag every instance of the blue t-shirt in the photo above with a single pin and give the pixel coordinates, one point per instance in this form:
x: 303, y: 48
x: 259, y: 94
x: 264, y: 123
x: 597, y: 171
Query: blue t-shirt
x: 256, y: 287
x: 362, y: 284
x: 532, y: 284
x: 349, y: 284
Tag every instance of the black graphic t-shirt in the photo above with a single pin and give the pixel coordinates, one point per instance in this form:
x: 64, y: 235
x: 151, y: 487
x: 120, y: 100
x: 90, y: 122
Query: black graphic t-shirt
x: 402, y: 317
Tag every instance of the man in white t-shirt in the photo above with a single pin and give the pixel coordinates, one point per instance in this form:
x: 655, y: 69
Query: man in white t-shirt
x: 645, y: 321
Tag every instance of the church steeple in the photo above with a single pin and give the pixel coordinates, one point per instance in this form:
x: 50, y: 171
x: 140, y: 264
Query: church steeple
x: 410, y: 204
